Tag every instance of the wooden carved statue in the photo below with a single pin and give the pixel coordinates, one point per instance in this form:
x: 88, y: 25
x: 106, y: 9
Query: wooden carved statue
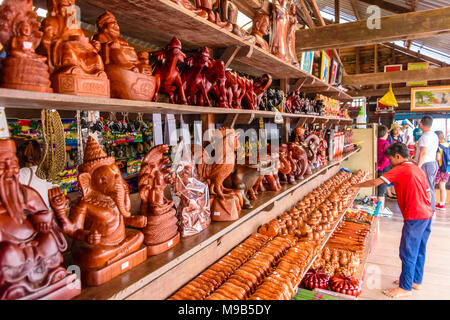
x: 269, y: 174
x: 129, y: 76
x: 292, y: 27
x: 187, y: 5
x: 244, y: 178
x: 235, y: 89
x: 216, y: 81
x: 74, y: 63
x: 210, y: 11
x: 161, y: 232
x: 260, y: 87
x: 261, y: 26
x: 193, y: 78
x: 22, y: 69
x: 311, y: 144
x: 226, y: 203
x: 229, y: 13
x: 278, y: 39
x: 31, y: 244
x: 168, y: 78
x: 102, y: 245
x: 299, y: 155
x: 287, y: 165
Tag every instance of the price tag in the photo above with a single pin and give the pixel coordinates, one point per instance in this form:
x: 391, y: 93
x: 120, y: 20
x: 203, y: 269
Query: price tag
x: 4, y: 131
x: 185, y: 134
x: 125, y: 265
x: 198, y: 130
x: 171, y: 130
x: 217, y: 213
x: 278, y: 117
x: 157, y: 129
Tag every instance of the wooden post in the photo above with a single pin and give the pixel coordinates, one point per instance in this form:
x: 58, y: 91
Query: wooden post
x: 375, y: 62
x: 207, y: 123
x: 337, y: 11
x: 284, y: 85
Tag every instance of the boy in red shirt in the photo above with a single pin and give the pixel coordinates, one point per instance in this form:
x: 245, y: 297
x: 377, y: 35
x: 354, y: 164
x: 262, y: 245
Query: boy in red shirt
x: 414, y: 201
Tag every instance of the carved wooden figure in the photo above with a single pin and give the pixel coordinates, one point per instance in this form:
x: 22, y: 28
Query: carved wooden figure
x: 261, y: 27
x: 226, y: 203
x: 22, y: 68
x: 168, y: 78
x: 74, y: 63
x: 161, y: 232
x: 292, y: 27
x: 187, y: 5
x: 129, y: 76
x: 193, y: 78
x: 31, y: 244
x: 278, y: 40
x: 216, y: 81
x: 102, y: 245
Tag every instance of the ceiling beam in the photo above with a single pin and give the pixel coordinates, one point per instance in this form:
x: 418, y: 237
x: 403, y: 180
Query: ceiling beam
x: 413, y: 25
x: 337, y: 11
x: 387, y: 6
x: 397, y: 76
x: 249, y: 7
x: 400, y: 91
x: 355, y: 9
x: 305, y: 12
x: 415, y: 54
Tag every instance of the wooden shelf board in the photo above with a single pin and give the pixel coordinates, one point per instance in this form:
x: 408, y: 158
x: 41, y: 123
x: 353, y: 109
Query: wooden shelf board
x: 133, y: 280
x: 158, y: 21
x: 10, y: 98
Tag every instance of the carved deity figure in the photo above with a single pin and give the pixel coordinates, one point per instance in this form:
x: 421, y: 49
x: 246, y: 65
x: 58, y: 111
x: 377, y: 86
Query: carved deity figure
x: 31, y: 244
x: 74, y: 62
x: 130, y: 77
x: 261, y: 26
x: 278, y: 40
x: 292, y: 27
x: 97, y: 221
x: 161, y: 232
x: 23, y: 69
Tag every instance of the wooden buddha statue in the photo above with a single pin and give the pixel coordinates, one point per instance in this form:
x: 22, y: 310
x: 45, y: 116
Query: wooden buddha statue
x: 23, y: 69
x: 102, y: 244
x: 31, y: 244
x: 130, y: 79
x: 261, y: 26
x: 75, y: 65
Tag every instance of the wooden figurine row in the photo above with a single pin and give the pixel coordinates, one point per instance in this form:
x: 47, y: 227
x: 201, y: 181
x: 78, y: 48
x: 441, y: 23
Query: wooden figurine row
x: 282, y: 23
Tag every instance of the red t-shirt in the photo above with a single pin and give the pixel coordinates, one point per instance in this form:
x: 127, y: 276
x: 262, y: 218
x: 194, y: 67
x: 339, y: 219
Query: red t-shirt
x: 411, y: 186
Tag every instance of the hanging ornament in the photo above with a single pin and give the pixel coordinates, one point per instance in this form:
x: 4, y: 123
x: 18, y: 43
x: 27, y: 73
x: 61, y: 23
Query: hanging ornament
x: 54, y: 138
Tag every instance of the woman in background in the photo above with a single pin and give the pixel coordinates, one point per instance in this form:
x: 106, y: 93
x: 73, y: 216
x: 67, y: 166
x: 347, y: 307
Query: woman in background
x: 29, y: 155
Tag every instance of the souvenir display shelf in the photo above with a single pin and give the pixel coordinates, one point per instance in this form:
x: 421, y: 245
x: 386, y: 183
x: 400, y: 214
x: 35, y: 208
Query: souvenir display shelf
x: 38, y: 100
x: 196, y: 250
x: 139, y: 19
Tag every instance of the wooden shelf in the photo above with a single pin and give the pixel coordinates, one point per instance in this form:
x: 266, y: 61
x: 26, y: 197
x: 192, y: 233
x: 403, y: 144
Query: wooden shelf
x: 158, y: 21
x: 154, y: 267
x: 10, y: 98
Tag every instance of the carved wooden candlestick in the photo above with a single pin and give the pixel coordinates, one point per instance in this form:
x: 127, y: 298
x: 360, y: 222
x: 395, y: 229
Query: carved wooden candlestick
x: 22, y: 69
x: 161, y: 232
x: 226, y: 203
x: 103, y: 247
x: 130, y: 76
x: 31, y: 244
x: 74, y: 63
x: 168, y: 78
x: 278, y: 41
x: 261, y: 26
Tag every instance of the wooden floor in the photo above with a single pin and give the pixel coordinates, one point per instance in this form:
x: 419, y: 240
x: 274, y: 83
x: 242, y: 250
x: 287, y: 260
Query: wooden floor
x: 384, y: 265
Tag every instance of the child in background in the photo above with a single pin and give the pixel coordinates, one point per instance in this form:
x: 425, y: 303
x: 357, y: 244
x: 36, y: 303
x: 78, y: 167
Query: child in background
x: 442, y: 176
x: 382, y: 162
x: 414, y: 201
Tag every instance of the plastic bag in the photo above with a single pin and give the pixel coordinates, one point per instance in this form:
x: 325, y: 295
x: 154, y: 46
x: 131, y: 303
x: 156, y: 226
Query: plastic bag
x: 389, y: 98
x: 190, y: 195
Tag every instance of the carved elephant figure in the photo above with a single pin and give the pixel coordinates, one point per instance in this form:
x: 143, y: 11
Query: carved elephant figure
x: 287, y: 165
x: 312, y: 143
x: 244, y: 178
x: 300, y: 156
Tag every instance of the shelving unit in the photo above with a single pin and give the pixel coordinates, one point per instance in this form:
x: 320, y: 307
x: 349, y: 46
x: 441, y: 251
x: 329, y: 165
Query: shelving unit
x: 140, y: 18
x: 159, y: 276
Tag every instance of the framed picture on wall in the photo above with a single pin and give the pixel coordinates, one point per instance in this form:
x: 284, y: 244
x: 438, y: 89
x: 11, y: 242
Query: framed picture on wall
x: 325, y: 67
x: 307, y: 61
x: 340, y: 75
x: 417, y: 66
x: 334, y: 71
x: 430, y: 99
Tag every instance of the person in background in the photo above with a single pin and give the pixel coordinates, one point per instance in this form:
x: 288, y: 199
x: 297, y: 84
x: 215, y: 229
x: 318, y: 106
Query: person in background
x: 426, y: 154
x: 413, y: 200
x: 395, y: 133
x: 382, y: 162
x: 442, y: 175
x: 29, y: 155
x: 408, y: 137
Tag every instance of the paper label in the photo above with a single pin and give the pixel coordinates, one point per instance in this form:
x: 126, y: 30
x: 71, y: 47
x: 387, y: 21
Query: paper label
x: 157, y: 129
x: 217, y: 213
x: 4, y: 131
x: 125, y: 265
x: 171, y: 130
